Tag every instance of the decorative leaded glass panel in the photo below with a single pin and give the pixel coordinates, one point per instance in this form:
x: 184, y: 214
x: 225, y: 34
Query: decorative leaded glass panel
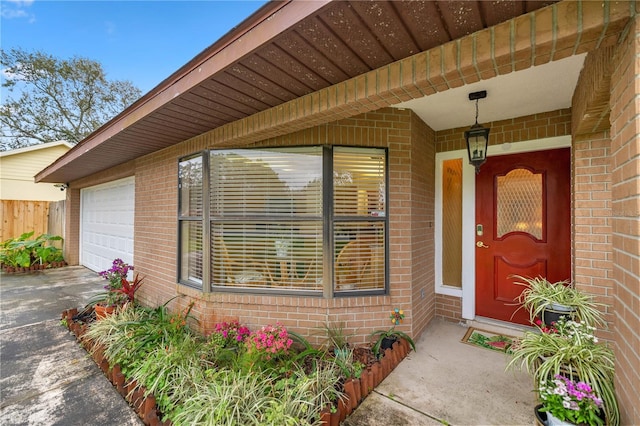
x: 519, y: 203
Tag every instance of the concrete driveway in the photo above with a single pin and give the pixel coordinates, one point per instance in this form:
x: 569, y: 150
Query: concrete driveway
x: 46, y: 378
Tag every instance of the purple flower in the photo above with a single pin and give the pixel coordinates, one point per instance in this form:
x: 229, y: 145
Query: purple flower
x: 568, y: 400
x: 584, y: 387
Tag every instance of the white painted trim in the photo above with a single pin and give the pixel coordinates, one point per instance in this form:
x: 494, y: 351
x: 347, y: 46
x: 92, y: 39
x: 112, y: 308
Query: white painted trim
x: 468, y: 239
x: 468, y: 290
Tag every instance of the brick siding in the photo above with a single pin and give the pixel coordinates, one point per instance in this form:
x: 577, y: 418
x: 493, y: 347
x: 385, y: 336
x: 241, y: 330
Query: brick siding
x: 591, y: 221
x: 411, y: 147
x: 530, y: 127
x: 625, y: 206
x: 422, y: 197
x: 449, y: 307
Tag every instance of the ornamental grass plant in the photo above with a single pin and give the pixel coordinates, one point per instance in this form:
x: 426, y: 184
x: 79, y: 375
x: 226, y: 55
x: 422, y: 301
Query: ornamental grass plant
x: 230, y: 377
x: 571, y: 349
x: 540, y: 294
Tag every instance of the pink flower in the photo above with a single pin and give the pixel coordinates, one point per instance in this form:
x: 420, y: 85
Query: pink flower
x: 270, y: 340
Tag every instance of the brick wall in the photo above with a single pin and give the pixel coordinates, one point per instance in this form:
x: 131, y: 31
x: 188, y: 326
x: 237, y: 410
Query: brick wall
x: 592, y: 256
x: 449, y: 307
x: 156, y: 228
x: 411, y: 147
x: 591, y: 190
x: 530, y: 127
x: 72, y: 226
x: 590, y: 102
x: 422, y: 197
x: 625, y: 206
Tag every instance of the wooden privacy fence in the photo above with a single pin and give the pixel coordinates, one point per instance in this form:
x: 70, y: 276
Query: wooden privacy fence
x: 20, y: 216
x: 56, y: 222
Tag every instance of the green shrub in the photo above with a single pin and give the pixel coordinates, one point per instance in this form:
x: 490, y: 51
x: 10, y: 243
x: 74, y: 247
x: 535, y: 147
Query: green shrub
x: 198, y: 380
x: 24, y: 251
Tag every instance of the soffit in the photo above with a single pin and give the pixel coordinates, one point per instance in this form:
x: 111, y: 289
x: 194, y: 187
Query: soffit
x: 302, y: 47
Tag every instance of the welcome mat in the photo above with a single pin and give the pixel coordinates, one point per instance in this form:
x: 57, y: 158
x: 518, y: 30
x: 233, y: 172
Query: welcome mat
x: 488, y: 340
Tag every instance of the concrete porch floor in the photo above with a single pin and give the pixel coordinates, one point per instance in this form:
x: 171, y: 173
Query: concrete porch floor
x: 449, y: 382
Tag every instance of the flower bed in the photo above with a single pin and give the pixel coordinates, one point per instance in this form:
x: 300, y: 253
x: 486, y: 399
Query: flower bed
x: 26, y: 254
x: 32, y: 268
x: 269, y: 360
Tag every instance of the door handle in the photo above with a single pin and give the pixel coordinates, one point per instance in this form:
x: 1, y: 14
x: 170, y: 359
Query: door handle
x: 480, y: 244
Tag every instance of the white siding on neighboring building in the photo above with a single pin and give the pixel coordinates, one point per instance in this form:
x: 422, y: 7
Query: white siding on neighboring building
x: 18, y: 168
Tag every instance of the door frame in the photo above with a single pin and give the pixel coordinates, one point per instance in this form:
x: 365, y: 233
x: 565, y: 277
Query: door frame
x: 468, y: 290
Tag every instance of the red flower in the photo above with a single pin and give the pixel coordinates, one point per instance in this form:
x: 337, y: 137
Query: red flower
x: 129, y: 288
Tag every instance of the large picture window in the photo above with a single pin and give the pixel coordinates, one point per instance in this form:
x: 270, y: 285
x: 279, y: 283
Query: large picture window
x: 304, y: 219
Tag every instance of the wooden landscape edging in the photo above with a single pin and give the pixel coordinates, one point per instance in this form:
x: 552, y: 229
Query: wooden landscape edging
x: 355, y: 389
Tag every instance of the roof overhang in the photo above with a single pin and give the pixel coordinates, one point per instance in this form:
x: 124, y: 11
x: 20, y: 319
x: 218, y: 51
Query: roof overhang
x: 284, y: 52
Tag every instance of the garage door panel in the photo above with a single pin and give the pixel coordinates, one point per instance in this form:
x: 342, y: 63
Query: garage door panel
x: 107, y: 215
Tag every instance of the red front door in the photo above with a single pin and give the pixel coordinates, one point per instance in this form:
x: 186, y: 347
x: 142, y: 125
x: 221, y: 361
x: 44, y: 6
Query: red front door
x: 522, y: 227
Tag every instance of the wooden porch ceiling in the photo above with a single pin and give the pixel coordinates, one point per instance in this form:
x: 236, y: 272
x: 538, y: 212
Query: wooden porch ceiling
x: 283, y: 51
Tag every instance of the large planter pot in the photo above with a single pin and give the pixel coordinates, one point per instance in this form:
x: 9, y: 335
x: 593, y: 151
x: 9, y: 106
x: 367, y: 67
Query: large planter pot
x: 387, y: 343
x: 541, y: 416
x: 553, y: 421
x: 555, y: 312
x: 547, y: 419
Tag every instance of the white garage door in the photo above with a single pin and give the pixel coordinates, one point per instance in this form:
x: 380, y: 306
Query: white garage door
x: 106, y: 224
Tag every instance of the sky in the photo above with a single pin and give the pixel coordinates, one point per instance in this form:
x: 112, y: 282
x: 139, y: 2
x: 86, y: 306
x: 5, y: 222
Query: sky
x: 140, y: 41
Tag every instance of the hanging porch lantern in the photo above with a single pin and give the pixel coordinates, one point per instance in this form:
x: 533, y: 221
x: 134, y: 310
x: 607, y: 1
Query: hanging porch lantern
x: 477, y: 137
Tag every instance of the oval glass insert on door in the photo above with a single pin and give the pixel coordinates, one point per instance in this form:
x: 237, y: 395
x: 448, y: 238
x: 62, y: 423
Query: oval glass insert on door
x: 519, y: 203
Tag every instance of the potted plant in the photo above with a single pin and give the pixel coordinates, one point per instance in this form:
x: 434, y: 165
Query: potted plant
x: 566, y: 402
x: 571, y: 349
x: 118, y: 291
x: 336, y: 339
x: 386, y: 338
x: 549, y: 301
